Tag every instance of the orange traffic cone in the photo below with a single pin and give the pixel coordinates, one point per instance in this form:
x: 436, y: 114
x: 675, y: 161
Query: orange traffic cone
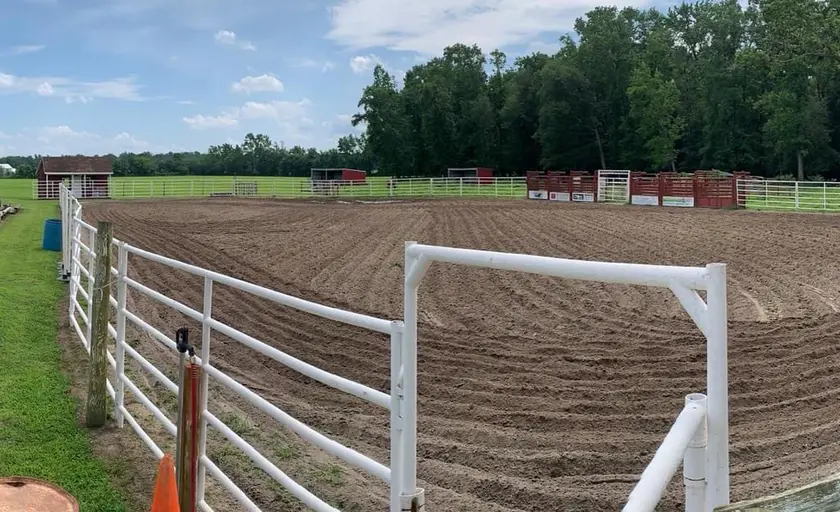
x: 165, y: 498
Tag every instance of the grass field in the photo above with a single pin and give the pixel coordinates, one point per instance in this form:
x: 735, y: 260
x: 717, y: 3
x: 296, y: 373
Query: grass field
x: 38, y: 418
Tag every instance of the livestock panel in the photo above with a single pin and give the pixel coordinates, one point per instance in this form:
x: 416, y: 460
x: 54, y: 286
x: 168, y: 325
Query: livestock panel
x: 644, y: 189
x: 537, y: 185
x: 583, y: 187
x: 559, y: 187
x: 676, y: 190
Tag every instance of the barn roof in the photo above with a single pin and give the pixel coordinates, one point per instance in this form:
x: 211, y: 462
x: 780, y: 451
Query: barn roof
x: 77, y: 165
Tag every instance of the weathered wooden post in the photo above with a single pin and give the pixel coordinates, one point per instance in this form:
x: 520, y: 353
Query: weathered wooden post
x: 98, y: 366
x: 186, y: 443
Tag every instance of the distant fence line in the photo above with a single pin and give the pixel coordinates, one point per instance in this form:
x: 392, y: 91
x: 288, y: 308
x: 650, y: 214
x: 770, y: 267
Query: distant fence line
x: 807, y: 196
x: 181, y: 187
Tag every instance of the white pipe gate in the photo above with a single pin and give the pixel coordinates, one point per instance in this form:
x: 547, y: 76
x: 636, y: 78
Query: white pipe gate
x: 706, y: 464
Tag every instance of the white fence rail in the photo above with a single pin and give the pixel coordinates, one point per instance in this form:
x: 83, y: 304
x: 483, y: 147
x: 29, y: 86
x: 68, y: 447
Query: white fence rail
x: 216, y: 186
x: 710, y: 316
x: 808, y: 196
x: 706, y: 464
x: 80, y: 252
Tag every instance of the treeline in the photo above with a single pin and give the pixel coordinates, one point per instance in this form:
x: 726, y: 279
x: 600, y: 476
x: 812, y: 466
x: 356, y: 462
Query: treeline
x: 706, y: 85
x: 256, y: 156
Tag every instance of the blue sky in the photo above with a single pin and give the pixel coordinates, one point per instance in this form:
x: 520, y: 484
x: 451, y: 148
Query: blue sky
x: 100, y: 76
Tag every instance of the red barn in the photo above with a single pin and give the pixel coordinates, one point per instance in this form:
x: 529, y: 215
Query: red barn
x: 86, y: 177
x: 480, y: 175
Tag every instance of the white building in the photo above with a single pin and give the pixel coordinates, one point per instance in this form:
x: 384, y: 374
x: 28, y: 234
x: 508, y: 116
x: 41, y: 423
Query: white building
x: 7, y: 170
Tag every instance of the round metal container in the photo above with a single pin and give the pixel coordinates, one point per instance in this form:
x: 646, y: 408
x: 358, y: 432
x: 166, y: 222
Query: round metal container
x: 22, y: 493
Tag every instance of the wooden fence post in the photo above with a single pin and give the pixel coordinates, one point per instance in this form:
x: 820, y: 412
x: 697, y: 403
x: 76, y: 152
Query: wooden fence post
x: 98, y: 367
x: 189, y: 415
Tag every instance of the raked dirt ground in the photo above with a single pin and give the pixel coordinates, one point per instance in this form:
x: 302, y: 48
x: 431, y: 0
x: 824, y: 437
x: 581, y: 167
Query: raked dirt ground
x: 535, y: 393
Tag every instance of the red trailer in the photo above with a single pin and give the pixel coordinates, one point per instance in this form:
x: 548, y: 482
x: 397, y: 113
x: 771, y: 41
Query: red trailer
x: 353, y: 175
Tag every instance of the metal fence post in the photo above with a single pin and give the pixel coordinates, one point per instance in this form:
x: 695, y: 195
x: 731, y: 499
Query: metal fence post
x: 207, y: 312
x: 717, y: 470
x: 91, y: 282
x: 825, y: 202
x: 412, y: 498
x: 796, y: 194
x: 122, y: 291
x: 397, y: 415
x: 694, y: 462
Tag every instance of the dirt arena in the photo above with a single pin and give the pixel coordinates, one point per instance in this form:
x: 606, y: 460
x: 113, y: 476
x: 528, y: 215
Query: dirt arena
x: 536, y: 393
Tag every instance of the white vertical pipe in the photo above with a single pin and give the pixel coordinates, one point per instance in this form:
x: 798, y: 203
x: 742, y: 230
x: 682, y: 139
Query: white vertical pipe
x: 122, y: 289
x: 91, y: 270
x: 409, y: 473
x: 717, y: 470
x: 796, y: 194
x: 825, y: 203
x: 73, y: 270
x: 694, y: 462
x: 659, y: 473
x: 207, y: 312
x: 397, y: 458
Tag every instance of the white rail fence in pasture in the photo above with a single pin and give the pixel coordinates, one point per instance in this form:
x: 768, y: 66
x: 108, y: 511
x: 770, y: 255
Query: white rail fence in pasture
x: 698, y: 438
x: 806, y: 196
x: 281, y: 187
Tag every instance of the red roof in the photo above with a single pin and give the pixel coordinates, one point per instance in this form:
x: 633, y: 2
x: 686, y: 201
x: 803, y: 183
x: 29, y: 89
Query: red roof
x: 77, y: 165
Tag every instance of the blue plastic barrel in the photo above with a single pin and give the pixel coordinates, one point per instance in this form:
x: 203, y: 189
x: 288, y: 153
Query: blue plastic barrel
x: 52, y: 235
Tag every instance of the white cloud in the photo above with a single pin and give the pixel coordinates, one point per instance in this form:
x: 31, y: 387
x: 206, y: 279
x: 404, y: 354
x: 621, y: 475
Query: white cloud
x: 228, y: 37
x: 324, y: 66
x: 63, y: 140
x: 71, y: 90
x: 262, y: 83
x: 364, y: 63
x: 276, y: 110
x: 24, y: 49
x: 45, y: 89
x: 201, y: 122
x: 435, y: 24
x: 290, y: 119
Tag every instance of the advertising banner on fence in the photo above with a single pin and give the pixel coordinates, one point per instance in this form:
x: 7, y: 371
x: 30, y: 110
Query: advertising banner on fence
x: 538, y: 194
x: 684, y: 202
x: 583, y: 197
x: 559, y: 196
x: 645, y: 200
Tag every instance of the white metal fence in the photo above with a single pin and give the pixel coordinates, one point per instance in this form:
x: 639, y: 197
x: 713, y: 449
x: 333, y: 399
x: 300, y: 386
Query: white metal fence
x: 698, y: 438
x: 79, y: 259
x: 813, y: 196
x: 216, y: 186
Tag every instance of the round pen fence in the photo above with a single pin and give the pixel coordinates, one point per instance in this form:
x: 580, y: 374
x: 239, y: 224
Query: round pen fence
x: 698, y: 439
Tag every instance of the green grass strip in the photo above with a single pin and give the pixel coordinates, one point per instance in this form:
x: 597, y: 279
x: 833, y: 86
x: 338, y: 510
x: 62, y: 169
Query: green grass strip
x: 39, y: 433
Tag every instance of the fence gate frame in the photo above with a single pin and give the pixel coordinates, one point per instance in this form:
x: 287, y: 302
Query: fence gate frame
x: 709, y: 315
x: 613, y: 186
